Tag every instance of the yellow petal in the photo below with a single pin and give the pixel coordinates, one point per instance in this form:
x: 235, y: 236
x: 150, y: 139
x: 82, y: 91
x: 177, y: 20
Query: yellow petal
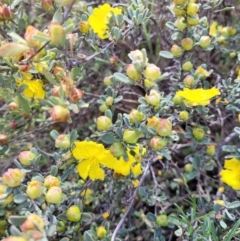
x: 96, y: 172
x: 83, y: 168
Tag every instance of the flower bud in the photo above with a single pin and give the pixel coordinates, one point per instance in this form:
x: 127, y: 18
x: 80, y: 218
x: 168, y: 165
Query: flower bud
x: 189, y: 81
x: 13, y: 106
x: 68, y: 81
x: 75, y: 95
x: 74, y: 214
x: 3, y: 139
x: 107, y: 81
x: 184, y: 115
x: 193, y: 21
x: 164, y: 127
x: 34, y: 189
x: 177, y: 100
x: 180, y: 2
x: 101, y: 232
x: 204, y: 41
x: 233, y: 55
x: 29, y: 35
x: 187, y: 43
x: 5, y: 12
x: 14, y: 238
x: 13, y: 177
x: 84, y: 27
x: 59, y: 72
x: 200, y: 71
x: 109, y: 101
x: 131, y: 136
x: 231, y: 31
x: 7, y: 199
x: 113, y: 59
x: 192, y: 9
x: 152, y: 122
x: 59, y: 113
x: 137, y: 57
x: 61, y: 226
x: 180, y: 23
x: 162, y: 220
x: 148, y: 84
x: 51, y: 181
x: 33, y: 222
x: 157, y: 143
x: 57, y: 34
x: 211, y: 149
x: 54, y: 195
x: 178, y: 11
x: 56, y: 90
x: 13, y: 124
x: 198, y: 133
x: 62, y: 142
x: 132, y: 73
x: 188, y: 168
x: 221, y: 40
x: 153, y: 98
x: 152, y: 72
x: 25, y: 157
x: 47, y: 5
x: 136, y: 116
x: 103, y: 123
x: 24, y: 67
x: 103, y: 108
x: 176, y: 50
x: 117, y: 149
x: 187, y: 66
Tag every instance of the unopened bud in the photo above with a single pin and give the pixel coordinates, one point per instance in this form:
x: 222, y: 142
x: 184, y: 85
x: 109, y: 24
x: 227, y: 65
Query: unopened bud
x: 103, y: 108
x: 34, y: 189
x: 25, y: 157
x: 189, y: 81
x: 61, y: 226
x: 84, y: 27
x: 177, y: 100
x: 148, y: 84
x: 59, y: 113
x: 5, y: 12
x: 162, y: 220
x: 3, y: 139
x: 187, y: 66
x: 164, y: 127
x: 103, y: 123
x: 13, y: 106
x: 198, y: 133
x: 187, y: 43
x: 56, y: 90
x: 51, y: 181
x: 6, y: 199
x: 231, y: 31
x: 192, y: 9
x: 205, y: 41
x: 57, y: 34
x: 152, y: 122
x: 62, y: 142
x: 101, y: 232
x: 13, y: 124
x: 68, y: 81
x: 113, y: 59
x: 157, y: 143
x: 117, y: 149
x: 193, y: 21
x: 132, y: 73
x: 109, y: 101
x: 74, y: 214
x: 211, y: 149
x: 54, y: 195
x: 13, y: 177
x: 184, y: 115
x: 107, y: 81
x: 137, y: 57
x: 178, y: 11
x: 152, y: 72
x: 75, y: 95
x: 176, y: 50
x: 33, y: 222
x: 153, y: 98
x: 131, y: 136
x: 188, y: 168
x: 47, y: 5
x: 180, y: 23
x: 29, y: 35
x: 136, y: 116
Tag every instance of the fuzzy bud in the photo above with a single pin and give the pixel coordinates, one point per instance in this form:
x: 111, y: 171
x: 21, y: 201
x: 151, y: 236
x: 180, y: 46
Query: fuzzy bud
x: 117, y: 149
x: 84, y: 27
x: 189, y: 81
x: 152, y: 122
x: 177, y: 100
x: 54, y: 195
x: 59, y: 113
x: 178, y: 11
x: 33, y: 222
x: 136, y: 116
x: 34, y: 189
x: 5, y: 12
x: 107, y: 81
x: 205, y: 41
x: 6, y: 199
x: 211, y: 149
x: 109, y: 101
x: 164, y: 127
x: 51, y: 181
x: 187, y: 66
x: 188, y: 168
x: 29, y: 35
x: 56, y: 90
x: 101, y: 232
x: 3, y: 139
x: 176, y: 50
x: 25, y: 157
x: 157, y: 143
x: 148, y: 84
x: 131, y: 136
x: 132, y: 73
x: 198, y: 133
x: 74, y: 214
x: 180, y: 24
x: 13, y: 106
x: 162, y: 220
x: 184, y: 115
x: 47, y: 5
x: 153, y: 98
x: 103, y: 123
x: 152, y: 72
x: 103, y: 108
x: 193, y: 21
x: 192, y: 9
x: 62, y: 142
x: 187, y: 44
x: 57, y: 34
x: 13, y: 177
x: 137, y: 57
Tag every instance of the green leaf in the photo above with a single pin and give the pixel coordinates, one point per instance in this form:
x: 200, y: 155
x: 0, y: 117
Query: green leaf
x: 109, y: 139
x: 49, y: 77
x: 231, y: 234
x: 20, y: 198
x: 24, y: 104
x: 73, y: 136
x: 89, y: 236
x: 17, y: 220
x: 54, y: 134
x: 234, y: 204
x: 166, y: 54
x: 86, y: 217
x: 108, y: 114
x: 15, y: 231
x: 64, y: 239
x: 123, y: 78
x: 54, y: 171
x: 58, y: 16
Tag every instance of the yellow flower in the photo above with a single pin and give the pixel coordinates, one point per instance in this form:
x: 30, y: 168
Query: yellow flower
x: 132, y: 164
x: 99, y: 19
x: 91, y: 156
x: 200, y: 71
x: 198, y: 96
x: 219, y: 202
x: 105, y: 215
x: 231, y: 173
x: 135, y: 182
x: 213, y: 29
